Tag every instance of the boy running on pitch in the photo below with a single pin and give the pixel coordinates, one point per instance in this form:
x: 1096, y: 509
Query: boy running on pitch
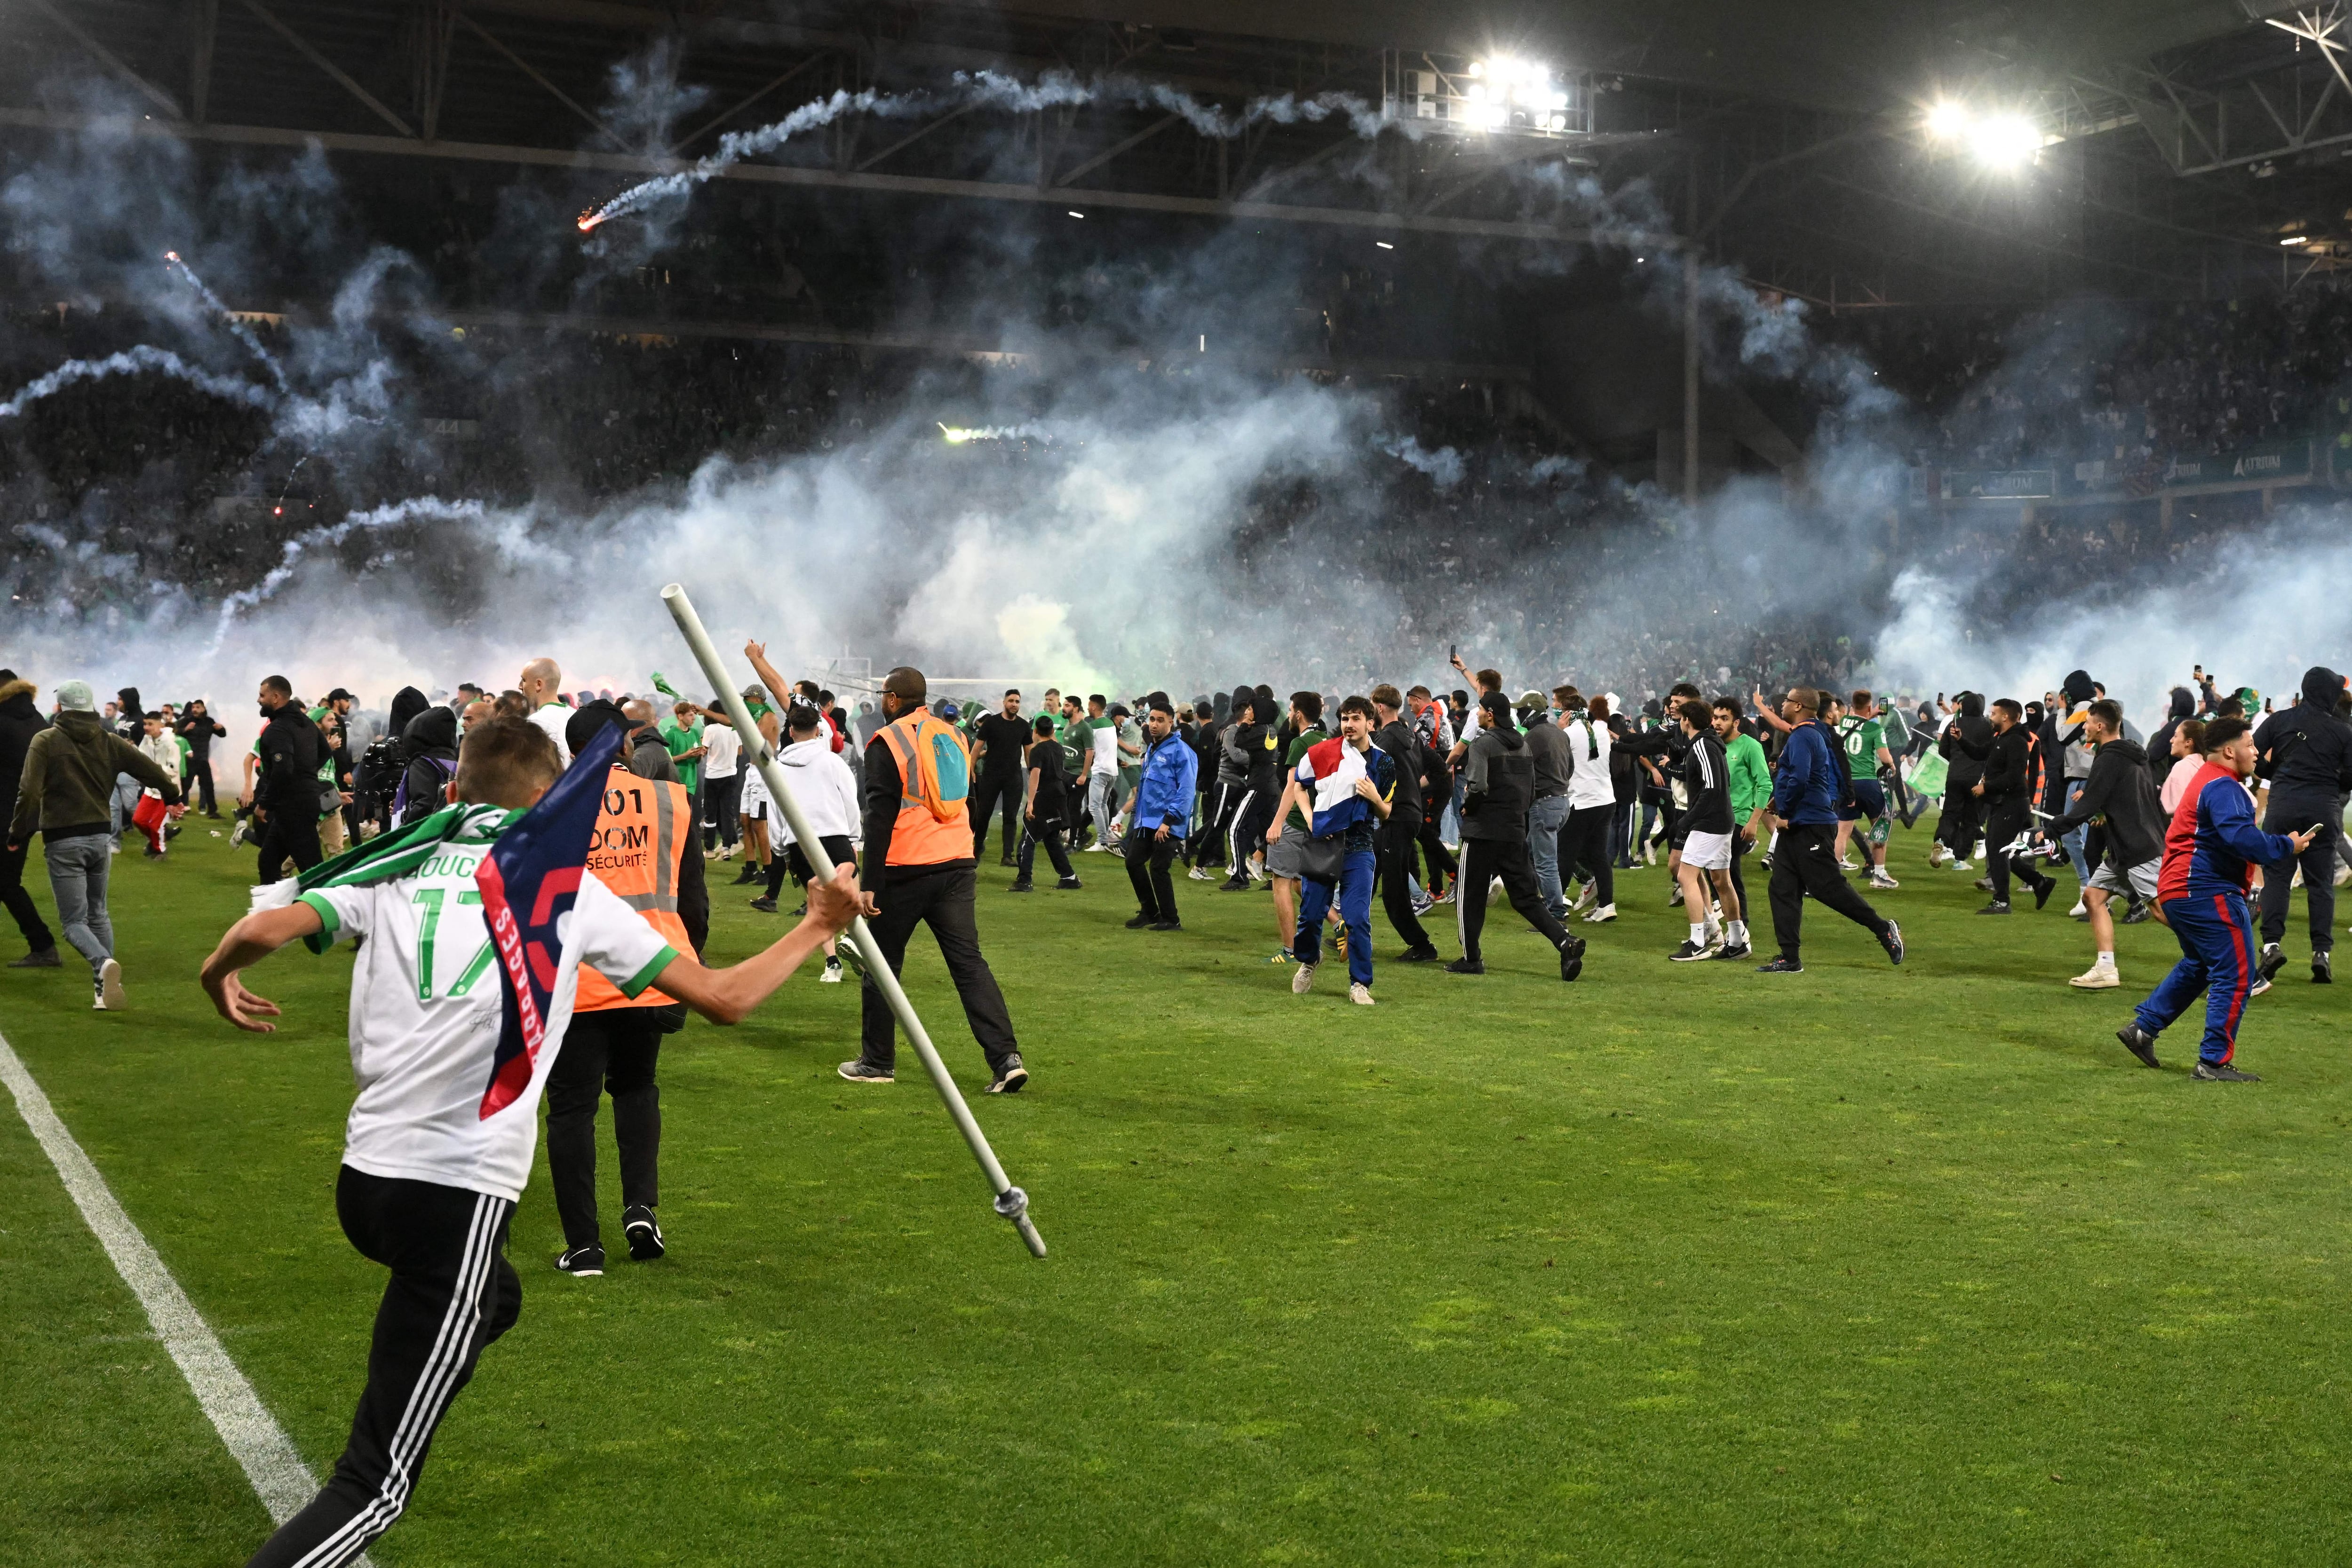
x: 438, y: 1144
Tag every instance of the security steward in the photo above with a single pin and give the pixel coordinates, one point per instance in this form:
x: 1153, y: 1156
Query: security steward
x: 920, y: 868
x: 641, y: 853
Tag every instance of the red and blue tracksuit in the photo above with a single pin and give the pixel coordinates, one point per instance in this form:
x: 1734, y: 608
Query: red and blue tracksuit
x: 2209, y: 850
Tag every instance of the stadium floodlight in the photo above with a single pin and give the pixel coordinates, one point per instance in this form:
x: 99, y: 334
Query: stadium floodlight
x: 2296, y: 239
x: 1946, y: 120
x: 2004, y: 141
x: 1383, y: 244
x: 1500, y: 93
x: 1010, y: 1200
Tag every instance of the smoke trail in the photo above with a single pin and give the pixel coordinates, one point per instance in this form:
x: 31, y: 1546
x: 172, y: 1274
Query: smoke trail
x: 127, y: 361
x: 243, y: 333
x: 426, y: 507
x: 987, y: 89
x: 958, y: 434
x: 1444, y: 466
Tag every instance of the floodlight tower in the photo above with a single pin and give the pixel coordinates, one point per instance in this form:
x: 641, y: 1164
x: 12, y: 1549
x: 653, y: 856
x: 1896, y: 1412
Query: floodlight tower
x: 1497, y: 95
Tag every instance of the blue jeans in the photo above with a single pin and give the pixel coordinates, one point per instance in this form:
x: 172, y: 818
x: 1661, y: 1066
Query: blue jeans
x: 2216, y: 957
x: 1355, y: 893
x: 77, y: 869
x: 2073, y: 840
x: 125, y: 800
x: 1544, y: 819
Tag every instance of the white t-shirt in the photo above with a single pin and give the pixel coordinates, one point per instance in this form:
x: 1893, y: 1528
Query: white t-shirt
x: 551, y: 718
x: 1589, y: 788
x: 426, y: 1005
x: 722, y: 749
x: 1105, y: 753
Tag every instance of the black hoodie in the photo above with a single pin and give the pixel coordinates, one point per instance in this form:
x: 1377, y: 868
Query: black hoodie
x: 429, y: 742
x: 2159, y: 745
x: 1966, y: 741
x: 2121, y: 789
x: 291, y: 750
x: 2305, y: 751
x: 1498, y: 781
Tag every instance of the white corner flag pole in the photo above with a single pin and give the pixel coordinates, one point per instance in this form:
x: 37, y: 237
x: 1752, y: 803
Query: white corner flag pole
x: 1011, y: 1201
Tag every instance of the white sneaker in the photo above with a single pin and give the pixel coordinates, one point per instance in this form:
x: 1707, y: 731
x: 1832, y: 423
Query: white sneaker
x: 1302, y: 979
x: 1200, y: 875
x: 831, y: 976
x: 1494, y: 891
x: 1603, y: 916
x: 236, y: 832
x: 1361, y: 995
x: 1883, y: 882
x: 2080, y: 912
x: 1584, y: 898
x: 1962, y: 865
x: 2097, y: 978
x: 109, y: 987
x: 1845, y: 865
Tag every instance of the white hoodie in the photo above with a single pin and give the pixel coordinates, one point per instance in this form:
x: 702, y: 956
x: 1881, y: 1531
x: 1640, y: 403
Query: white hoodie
x: 825, y: 787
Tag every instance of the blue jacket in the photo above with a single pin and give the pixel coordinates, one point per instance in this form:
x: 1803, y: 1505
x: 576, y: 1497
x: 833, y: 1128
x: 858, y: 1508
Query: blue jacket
x: 1806, y: 787
x: 1165, y: 795
x: 2213, y: 843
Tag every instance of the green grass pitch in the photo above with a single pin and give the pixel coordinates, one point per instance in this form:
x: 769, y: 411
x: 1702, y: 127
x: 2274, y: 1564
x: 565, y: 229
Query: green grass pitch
x: 1677, y: 1265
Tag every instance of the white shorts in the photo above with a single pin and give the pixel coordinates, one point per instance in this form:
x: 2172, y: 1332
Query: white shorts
x: 1708, y: 851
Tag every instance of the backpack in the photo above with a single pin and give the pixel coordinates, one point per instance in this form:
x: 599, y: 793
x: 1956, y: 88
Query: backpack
x: 400, y: 796
x: 378, y: 763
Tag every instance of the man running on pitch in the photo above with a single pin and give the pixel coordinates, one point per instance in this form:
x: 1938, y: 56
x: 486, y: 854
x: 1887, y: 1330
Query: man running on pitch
x: 439, y: 1142
x: 2210, y: 852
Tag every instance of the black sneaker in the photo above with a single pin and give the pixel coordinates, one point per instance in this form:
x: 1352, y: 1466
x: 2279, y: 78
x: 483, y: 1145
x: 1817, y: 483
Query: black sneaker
x: 644, y: 1236
x: 2323, y: 969
x: 1023, y: 886
x: 1780, y: 966
x: 1891, y: 940
x: 1005, y: 860
x: 2140, y: 1043
x: 1984, y: 884
x: 46, y: 958
x: 1235, y: 884
x: 1997, y: 906
x: 1465, y: 967
x: 1733, y: 950
x: 1139, y: 923
x: 1068, y: 884
x: 2141, y: 912
x: 1571, y: 963
x: 1573, y: 947
x: 2223, y: 1072
x: 863, y: 1071
x: 750, y: 874
x: 2272, y: 961
x: 1165, y: 926
x: 584, y: 1261
x: 764, y: 905
x: 1418, y: 956
x: 2041, y: 894
x: 1688, y: 953
x: 1010, y: 1077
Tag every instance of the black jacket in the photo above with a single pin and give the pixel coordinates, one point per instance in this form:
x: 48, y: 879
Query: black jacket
x: 2305, y: 750
x: 1498, y: 785
x: 19, y: 722
x: 200, y: 730
x: 288, y: 777
x: 430, y: 746
x: 2121, y: 789
x: 2008, y: 766
x: 1706, y: 785
x: 1966, y: 742
x: 1404, y: 749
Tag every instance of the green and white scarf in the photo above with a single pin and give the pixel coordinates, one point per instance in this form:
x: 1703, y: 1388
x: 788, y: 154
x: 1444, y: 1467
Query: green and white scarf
x: 390, y: 855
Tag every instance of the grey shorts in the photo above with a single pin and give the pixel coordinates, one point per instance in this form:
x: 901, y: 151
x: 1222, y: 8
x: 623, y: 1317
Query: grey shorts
x: 1283, y: 856
x: 2139, y: 880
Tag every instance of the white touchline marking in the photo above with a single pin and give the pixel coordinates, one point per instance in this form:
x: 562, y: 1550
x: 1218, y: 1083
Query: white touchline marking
x: 254, y: 1436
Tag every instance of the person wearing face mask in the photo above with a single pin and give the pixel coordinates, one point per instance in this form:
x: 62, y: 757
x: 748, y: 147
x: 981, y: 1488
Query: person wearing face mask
x: 285, y: 782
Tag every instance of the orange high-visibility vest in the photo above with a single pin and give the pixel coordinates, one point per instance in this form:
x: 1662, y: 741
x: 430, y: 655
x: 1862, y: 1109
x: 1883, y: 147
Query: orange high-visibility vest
x: 934, y: 778
x: 641, y: 839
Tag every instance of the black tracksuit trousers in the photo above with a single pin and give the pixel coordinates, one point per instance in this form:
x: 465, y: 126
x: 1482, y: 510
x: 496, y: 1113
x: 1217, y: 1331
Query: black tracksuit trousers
x: 1804, y: 863
x: 1483, y: 860
x: 1585, y: 851
x: 942, y: 900
x: 452, y: 1293
x: 2004, y: 821
x: 1148, y: 857
x: 2292, y: 814
x: 993, y: 796
x: 1393, y: 851
x: 614, y: 1050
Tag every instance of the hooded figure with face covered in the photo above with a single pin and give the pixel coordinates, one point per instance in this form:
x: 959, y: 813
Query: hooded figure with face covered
x: 2304, y: 752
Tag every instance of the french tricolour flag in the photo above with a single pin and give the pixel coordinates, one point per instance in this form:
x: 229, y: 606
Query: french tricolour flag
x: 1333, y: 766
